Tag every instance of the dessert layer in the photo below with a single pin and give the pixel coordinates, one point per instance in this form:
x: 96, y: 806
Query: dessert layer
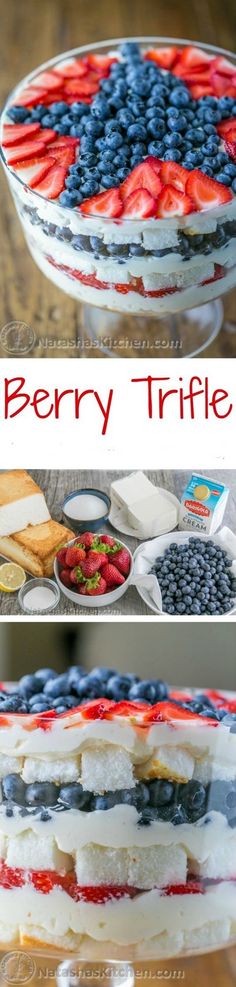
x: 123, y: 921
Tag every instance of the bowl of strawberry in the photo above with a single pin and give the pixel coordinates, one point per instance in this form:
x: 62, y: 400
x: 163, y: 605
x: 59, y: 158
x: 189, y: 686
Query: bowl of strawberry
x: 94, y: 570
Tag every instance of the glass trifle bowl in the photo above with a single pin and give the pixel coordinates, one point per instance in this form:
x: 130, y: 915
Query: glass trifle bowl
x: 118, y: 816
x: 121, y: 162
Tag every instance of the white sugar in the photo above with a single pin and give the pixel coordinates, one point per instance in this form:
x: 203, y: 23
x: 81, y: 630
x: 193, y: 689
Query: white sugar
x: 85, y: 507
x: 39, y: 598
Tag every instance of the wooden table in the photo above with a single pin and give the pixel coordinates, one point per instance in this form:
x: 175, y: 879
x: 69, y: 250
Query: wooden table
x: 56, y: 484
x: 32, y: 33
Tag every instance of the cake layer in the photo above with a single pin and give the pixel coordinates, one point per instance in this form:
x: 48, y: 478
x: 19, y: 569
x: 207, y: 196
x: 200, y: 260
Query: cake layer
x: 112, y: 848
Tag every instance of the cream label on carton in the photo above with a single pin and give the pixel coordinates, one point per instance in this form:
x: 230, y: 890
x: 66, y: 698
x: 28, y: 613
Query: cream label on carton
x: 202, y: 504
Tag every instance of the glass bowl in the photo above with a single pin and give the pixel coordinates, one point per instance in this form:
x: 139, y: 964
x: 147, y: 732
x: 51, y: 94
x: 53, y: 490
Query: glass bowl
x: 139, y: 316
x: 41, y: 584
x: 115, y: 877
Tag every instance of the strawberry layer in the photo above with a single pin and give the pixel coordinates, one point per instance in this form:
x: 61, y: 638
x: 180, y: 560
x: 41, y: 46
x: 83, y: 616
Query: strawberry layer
x: 45, y: 882
x: 136, y: 285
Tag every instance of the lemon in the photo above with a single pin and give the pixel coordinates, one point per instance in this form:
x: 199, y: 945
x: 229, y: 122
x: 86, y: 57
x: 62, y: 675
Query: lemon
x: 12, y: 577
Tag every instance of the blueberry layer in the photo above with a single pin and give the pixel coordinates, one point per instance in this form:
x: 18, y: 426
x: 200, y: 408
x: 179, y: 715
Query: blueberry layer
x: 189, y: 245
x: 154, y: 800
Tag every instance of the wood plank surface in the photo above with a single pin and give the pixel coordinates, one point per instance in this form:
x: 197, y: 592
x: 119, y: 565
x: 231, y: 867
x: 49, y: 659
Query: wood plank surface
x: 30, y: 34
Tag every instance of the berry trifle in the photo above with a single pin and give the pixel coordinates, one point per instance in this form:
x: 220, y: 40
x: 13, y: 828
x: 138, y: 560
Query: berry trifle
x: 117, y: 816
x: 122, y: 163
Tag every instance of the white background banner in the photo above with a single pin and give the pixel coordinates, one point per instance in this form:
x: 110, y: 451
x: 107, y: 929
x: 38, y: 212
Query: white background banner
x: 113, y: 428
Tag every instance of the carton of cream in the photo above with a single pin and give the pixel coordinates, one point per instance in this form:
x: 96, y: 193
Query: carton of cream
x: 202, y: 505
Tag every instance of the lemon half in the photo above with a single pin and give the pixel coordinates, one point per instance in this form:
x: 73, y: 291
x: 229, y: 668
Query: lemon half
x: 12, y: 577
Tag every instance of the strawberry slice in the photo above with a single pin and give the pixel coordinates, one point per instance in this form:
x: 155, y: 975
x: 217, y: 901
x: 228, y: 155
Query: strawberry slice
x: 193, y: 57
x: 139, y: 204
x: 220, y: 84
x: 100, y: 63
x: 42, y: 171
x: 227, y: 127
x: 126, y: 708
x: 164, y: 57
x: 143, y: 176
x: 64, y: 155
x: 25, y: 150
x: 46, y: 135
x: 85, y: 87
x: 172, y: 202
x: 31, y: 96
x: 198, y: 91
x: 198, y: 77
x: 191, y: 887
x: 97, y: 709
x: 230, y: 146
x: 15, y: 133
x: 205, y: 192
x: 53, y: 184
x: 47, y: 80
x: 165, y: 712
x: 223, y: 66
x: 174, y: 174
x: 104, y: 204
x: 65, y: 141
x: 74, y: 70
x: 102, y: 893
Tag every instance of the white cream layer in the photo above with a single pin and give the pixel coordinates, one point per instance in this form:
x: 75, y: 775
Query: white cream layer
x: 118, y: 827
x: 72, y: 733
x: 122, y: 921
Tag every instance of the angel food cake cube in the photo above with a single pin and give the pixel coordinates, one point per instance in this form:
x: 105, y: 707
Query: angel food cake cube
x: 58, y: 770
x: 141, y: 867
x: 106, y: 770
x: 30, y: 851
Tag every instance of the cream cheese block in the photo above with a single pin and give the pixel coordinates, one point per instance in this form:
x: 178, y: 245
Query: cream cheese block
x: 131, y: 488
x: 153, y: 515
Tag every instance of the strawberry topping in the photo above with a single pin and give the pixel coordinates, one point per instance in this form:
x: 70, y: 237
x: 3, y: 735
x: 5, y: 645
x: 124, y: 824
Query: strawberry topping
x: 205, y: 192
x: 172, y: 202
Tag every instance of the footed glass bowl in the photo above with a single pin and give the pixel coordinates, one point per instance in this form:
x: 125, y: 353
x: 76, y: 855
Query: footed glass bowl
x: 148, y: 286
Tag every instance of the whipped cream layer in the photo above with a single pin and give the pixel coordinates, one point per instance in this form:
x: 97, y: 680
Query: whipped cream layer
x: 25, y: 735
x: 124, y: 921
x: 118, y: 827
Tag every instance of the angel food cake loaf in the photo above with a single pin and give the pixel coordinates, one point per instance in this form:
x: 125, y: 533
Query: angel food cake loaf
x: 122, y: 164
x: 117, y: 815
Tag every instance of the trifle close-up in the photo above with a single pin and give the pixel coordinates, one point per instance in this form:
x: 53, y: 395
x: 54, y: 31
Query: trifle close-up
x: 117, y: 816
x: 121, y: 159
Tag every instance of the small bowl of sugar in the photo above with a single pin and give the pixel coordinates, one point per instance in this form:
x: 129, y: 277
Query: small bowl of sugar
x: 86, y: 508
x: 39, y: 596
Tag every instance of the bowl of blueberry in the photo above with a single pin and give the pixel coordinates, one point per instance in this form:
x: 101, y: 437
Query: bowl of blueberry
x: 122, y: 164
x: 188, y: 576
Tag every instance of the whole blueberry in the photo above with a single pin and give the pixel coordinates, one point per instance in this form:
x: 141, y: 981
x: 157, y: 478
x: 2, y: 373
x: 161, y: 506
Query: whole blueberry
x: 14, y: 789
x: 28, y: 684
x: 41, y: 793
x: 74, y: 796
x: 58, y: 686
